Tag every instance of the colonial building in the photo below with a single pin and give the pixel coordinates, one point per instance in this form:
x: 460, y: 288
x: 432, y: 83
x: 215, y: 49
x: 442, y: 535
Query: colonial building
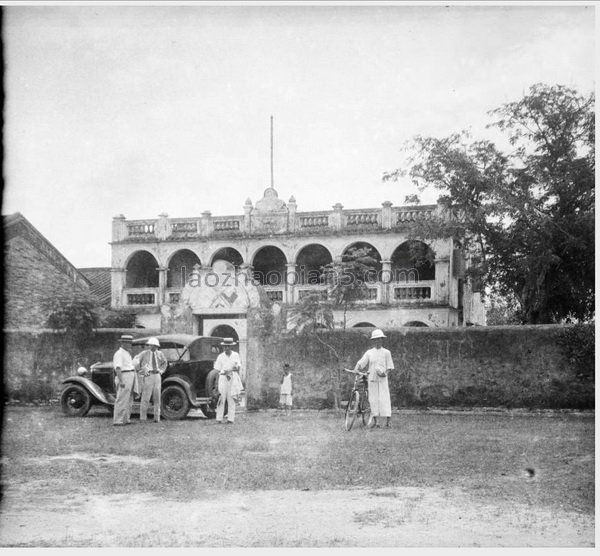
x: 165, y: 267
x: 34, y: 272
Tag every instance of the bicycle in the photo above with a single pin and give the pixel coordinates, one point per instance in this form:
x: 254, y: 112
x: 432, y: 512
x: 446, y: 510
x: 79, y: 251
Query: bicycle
x: 359, y: 400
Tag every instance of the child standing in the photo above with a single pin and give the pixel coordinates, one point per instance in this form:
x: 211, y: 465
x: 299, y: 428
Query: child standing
x: 285, y: 392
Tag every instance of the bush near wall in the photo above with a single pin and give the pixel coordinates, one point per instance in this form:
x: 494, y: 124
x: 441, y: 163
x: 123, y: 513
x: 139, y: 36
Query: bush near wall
x: 502, y: 366
x: 36, y: 362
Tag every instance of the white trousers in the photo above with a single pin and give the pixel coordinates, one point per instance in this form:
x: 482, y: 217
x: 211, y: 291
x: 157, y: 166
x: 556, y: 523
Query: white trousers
x: 150, y: 389
x: 124, y: 401
x: 226, y: 396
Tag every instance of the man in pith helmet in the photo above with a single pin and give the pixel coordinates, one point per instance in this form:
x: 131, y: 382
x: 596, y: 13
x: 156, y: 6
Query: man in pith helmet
x: 378, y: 362
x: 150, y: 364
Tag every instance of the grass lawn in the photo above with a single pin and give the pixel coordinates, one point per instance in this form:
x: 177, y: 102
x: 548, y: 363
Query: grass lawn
x: 543, y: 460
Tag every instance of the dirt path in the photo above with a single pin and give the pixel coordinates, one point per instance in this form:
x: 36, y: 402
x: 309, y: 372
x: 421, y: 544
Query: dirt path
x: 412, y: 517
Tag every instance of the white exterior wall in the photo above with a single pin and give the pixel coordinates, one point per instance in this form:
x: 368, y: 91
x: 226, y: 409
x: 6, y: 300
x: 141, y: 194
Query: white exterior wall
x: 273, y: 225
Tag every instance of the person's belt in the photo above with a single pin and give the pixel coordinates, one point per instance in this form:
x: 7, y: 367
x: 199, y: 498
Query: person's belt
x: 154, y: 372
x: 127, y: 370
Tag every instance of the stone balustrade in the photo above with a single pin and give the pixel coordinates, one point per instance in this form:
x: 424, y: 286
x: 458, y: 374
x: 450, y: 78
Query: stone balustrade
x: 275, y: 293
x: 387, y: 217
x: 302, y: 291
x: 141, y: 228
x: 313, y: 221
x: 184, y: 229
x: 363, y: 219
x: 226, y: 225
x: 140, y: 296
x: 421, y: 291
x: 413, y: 214
x: 399, y: 293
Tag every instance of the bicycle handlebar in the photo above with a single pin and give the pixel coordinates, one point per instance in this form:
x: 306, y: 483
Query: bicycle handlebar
x: 360, y: 373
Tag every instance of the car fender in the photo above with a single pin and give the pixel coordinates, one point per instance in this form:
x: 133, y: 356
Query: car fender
x: 90, y: 386
x: 178, y: 380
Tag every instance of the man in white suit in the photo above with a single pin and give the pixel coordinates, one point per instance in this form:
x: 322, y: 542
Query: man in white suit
x: 150, y: 364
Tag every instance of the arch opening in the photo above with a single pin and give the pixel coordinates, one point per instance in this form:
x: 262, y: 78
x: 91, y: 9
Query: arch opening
x: 141, y: 271
x: 230, y: 255
x: 413, y: 261
x: 269, y: 266
x: 309, y: 263
x: 180, y: 267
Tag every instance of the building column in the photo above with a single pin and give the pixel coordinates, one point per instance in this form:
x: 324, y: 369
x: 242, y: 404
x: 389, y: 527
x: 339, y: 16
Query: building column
x: 291, y: 279
x: 386, y: 215
x: 162, y: 285
x: 292, y: 214
x: 336, y: 217
x: 163, y: 226
x: 206, y: 224
x: 119, y: 228
x: 117, y: 285
x: 247, y: 227
x: 442, y: 282
x: 386, y: 278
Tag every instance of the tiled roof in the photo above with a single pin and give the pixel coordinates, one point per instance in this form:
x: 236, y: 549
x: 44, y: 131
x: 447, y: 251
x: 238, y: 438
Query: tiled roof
x: 100, y: 280
x: 17, y: 225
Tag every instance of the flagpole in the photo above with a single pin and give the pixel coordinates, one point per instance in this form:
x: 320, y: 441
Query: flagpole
x: 272, y: 181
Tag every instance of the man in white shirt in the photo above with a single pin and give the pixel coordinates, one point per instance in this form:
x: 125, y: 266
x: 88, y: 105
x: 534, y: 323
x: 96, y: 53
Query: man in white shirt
x: 125, y: 381
x: 150, y: 364
x: 227, y: 363
x: 378, y: 362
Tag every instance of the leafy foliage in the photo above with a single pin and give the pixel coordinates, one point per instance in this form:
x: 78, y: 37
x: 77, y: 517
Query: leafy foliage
x: 347, y: 282
x: 117, y: 318
x: 75, y: 314
x: 578, y: 345
x: 526, y: 218
x: 502, y: 311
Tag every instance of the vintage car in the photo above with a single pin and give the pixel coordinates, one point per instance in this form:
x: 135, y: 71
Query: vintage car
x: 184, y: 383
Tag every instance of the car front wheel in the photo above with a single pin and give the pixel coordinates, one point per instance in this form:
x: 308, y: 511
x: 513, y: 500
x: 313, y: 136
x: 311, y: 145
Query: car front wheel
x: 75, y: 401
x: 174, y: 403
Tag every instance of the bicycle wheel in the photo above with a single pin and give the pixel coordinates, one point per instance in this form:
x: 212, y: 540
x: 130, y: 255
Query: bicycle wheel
x: 365, y: 410
x: 352, y: 410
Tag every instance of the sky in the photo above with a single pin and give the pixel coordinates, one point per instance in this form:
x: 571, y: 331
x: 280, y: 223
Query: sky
x: 148, y: 109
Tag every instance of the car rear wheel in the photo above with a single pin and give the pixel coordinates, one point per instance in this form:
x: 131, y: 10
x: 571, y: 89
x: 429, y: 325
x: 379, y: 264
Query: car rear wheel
x: 75, y: 401
x: 174, y: 403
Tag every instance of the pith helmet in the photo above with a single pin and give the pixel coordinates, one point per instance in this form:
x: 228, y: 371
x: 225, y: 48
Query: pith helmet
x: 377, y: 333
x: 153, y: 342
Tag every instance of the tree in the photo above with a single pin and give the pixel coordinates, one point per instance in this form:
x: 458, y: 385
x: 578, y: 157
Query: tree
x: 75, y: 314
x: 525, y: 218
x: 501, y: 311
x: 347, y: 282
x: 125, y: 317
